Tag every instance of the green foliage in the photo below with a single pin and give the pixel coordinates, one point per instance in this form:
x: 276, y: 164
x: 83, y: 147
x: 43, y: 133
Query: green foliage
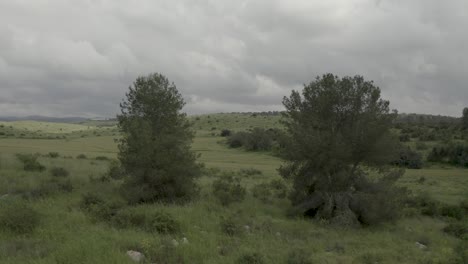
x: 59, y: 172
x: 335, y: 127
x: 150, y: 221
x: 452, y: 153
x: 102, y: 158
x: 409, y: 159
x: 267, y: 191
x: 258, y: 139
x: 465, y: 118
x: 298, y: 257
x: 18, y: 217
x: 250, y: 171
x: 30, y: 162
x: 155, y: 147
x: 115, y: 170
x: 81, y: 156
x: 100, y: 208
x: 53, y: 154
x: 230, y: 226
x: 457, y: 229
x: 251, y: 258
x: 228, y: 189
x: 225, y: 133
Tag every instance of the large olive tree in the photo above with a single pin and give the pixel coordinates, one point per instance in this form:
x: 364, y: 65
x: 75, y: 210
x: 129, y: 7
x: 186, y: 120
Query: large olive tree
x: 155, y: 146
x: 339, y: 146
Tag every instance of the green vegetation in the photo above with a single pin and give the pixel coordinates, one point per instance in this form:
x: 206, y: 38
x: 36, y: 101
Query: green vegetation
x: 69, y: 209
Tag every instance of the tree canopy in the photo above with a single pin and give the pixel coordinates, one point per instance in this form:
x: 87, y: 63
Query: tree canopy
x: 465, y: 118
x: 155, y: 148
x: 339, y: 130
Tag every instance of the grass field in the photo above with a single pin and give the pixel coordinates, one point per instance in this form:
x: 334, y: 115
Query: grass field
x: 66, y: 234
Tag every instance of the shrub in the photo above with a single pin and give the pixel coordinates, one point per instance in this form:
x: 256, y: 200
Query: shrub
x: 227, y: 189
x: 457, y: 229
x: 53, y: 154
x: 81, y: 156
x: 50, y: 187
x: 229, y: 226
x: 99, y: 208
x: 236, y: 140
x: 101, y: 158
x: 155, y: 221
x: 18, y: 217
x: 30, y: 162
x: 409, y: 159
x: 298, y: 257
x: 59, y: 172
x: 251, y: 258
x: 262, y: 192
x: 250, y: 172
x: 453, y: 211
x: 115, y: 170
x: 225, y: 133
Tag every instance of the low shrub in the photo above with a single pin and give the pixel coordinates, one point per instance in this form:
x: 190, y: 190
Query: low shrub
x: 457, y: 229
x: 100, y: 208
x: 59, y: 172
x: 81, y: 156
x: 18, y: 217
x: 262, y: 191
x: 250, y: 171
x: 409, y: 159
x: 225, y: 133
x: 53, y: 154
x: 30, y: 162
x: 230, y: 227
x: 251, y: 258
x: 454, y: 211
x: 298, y: 257
x: 227, y: 189
x: 153, y: 221
x: 101, y: 158
x: 50, y: 187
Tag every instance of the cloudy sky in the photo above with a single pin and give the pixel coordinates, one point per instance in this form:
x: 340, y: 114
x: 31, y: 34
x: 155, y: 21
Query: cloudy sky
x: 77, y: 58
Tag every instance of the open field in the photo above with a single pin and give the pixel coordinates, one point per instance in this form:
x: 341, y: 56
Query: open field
x: 66, y: 234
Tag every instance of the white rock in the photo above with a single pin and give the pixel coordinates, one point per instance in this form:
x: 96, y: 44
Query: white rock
x: 135, y: 255
x: 420, y: 245
x: 175, y: 243
x: 184, y: 240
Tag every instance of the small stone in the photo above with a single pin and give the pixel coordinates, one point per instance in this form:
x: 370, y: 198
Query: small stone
x: 135, y: 255
x: 175, y: 243
x: 184, y: 240
x: 421, y: 246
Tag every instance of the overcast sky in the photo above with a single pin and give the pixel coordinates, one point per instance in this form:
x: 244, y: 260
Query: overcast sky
x: 77, y: 58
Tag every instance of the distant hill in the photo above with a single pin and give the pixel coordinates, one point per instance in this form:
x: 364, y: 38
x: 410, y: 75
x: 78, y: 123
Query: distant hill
x: 44, y: 119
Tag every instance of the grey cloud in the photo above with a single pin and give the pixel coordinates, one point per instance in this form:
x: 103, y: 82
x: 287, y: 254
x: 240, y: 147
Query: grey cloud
x: 79, y: 57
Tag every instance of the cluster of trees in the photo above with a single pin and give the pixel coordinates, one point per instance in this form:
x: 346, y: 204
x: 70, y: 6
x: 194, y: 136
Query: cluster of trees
x: 455, y: 154
x: 337, y: 131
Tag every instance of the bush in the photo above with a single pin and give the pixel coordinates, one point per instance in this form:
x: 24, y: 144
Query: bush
x: 81, y: 156
x: 236, y: 140
x: 115, y: 170
x: 409, y: 159
x: 155, y: 221
x: 250, y: 172
x: 266, y: 191
x: 30, y: 162
x: 262, y: 192
x: 59, y: 172
x: 227, y: 189
x: 453, y: 211
x: 298, y: 257
x: 230, y: 227
x: 18, y: 217
x: 225, y: 133
x: 53, y: 154
x: 100, y: 208
x: 251, y: 258
x: 457, y: 229
x: 101, y: 158
x: 50, y: 187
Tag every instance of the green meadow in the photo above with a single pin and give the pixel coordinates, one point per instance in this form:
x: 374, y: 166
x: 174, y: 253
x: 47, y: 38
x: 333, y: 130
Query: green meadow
x: 243, y: 232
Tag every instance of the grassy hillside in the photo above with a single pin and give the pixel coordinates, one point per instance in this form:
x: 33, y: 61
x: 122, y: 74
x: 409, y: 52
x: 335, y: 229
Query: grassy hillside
x: 239, y: 233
